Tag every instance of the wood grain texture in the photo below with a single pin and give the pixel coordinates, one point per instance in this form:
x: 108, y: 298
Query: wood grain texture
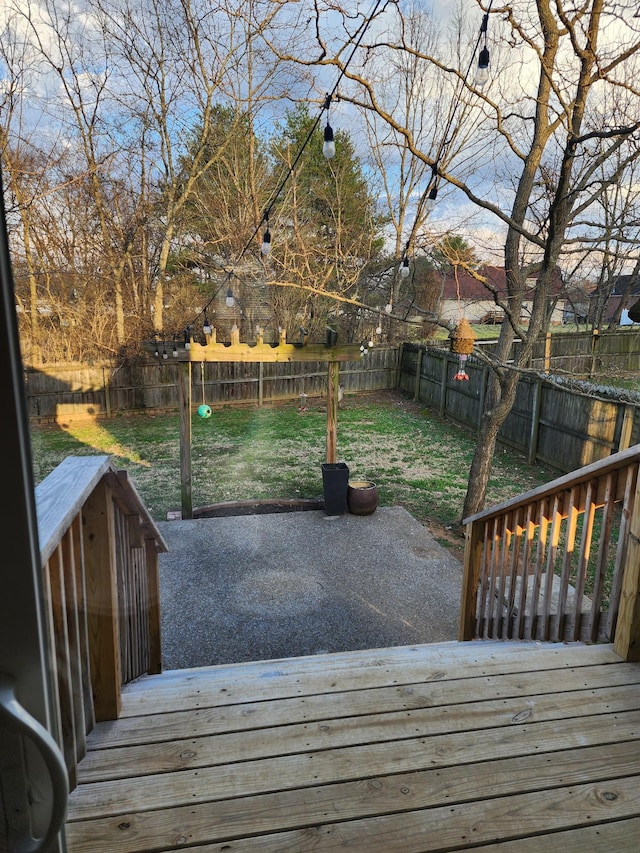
x: 473, y: 745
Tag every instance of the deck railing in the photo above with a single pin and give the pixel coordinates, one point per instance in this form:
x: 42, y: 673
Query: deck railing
x: 559, y: 563
x: 99, y: 548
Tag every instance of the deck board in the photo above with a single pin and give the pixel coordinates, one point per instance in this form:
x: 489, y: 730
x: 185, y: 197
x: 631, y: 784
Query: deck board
x: 442, y: 747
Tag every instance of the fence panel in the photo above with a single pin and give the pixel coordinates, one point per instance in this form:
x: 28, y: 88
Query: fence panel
x: 59, y: 391
x: 561, y: 427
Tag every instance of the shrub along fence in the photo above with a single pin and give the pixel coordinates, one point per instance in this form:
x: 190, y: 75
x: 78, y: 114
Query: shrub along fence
x: 61, y: 391
x: 563, y: 427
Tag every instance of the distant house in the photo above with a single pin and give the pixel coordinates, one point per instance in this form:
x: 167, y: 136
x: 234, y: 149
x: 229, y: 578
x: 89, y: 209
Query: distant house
x: 623, y: 296
x: 477, y: 302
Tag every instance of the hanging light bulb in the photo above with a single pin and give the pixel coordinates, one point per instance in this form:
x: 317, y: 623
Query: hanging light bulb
x: 187, y: 338
x: 206, y: 327
x: 379, y: 328
x: 482, y: 72
x: 431, y: 199
x: 405, y: 268
x: 165, y: 354
x: 229, y: 300
x: 175, y: 349
x: 329, y: 146
x: 266, y: 238
x: 388, y: 308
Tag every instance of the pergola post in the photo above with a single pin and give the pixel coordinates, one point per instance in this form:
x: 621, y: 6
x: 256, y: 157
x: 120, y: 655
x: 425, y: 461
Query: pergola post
x: 333, y: 396
x: 184, y: 405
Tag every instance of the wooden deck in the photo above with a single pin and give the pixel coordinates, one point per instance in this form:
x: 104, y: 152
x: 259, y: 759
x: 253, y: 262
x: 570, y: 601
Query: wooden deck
x: 490, y: 746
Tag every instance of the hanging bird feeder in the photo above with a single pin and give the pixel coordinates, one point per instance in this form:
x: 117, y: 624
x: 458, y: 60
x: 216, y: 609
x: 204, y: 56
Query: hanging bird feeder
x: 462, y: 340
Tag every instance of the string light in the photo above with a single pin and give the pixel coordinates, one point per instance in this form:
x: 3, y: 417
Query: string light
x: 266, y: 237
x: 405, y: 269
x: 229, y: 299
x: 329, y: 146
x: 482, y: 71
x: 206, y: 327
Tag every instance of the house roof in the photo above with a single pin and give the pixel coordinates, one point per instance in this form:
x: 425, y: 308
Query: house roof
x: 626, y: 285
x: 469, y: 289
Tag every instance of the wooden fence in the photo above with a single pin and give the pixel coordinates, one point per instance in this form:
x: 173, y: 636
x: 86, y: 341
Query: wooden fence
x: 561, y: 427
x: 584, y: 355
x: 65, y: 391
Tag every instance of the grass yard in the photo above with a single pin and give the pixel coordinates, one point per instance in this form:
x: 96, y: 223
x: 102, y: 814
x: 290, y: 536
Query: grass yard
x: 418, y: 461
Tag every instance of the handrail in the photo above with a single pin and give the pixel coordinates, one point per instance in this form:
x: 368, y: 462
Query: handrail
x: 595, y: 469
x: 99, y: 549
x: 559, y: 562
x: 15, y: 719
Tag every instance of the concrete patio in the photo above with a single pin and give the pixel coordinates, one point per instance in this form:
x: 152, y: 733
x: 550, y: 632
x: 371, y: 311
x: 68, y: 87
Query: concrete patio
x: 258, y: 587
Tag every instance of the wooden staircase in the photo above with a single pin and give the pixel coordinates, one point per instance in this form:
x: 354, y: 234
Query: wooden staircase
x: 487, y: 745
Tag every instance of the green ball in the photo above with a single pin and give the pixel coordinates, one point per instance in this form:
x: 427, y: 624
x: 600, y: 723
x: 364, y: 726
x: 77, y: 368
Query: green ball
x: 204, y: 411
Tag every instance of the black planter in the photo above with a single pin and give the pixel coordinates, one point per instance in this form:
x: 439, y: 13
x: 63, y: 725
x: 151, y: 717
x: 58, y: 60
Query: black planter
x: 335, y: 482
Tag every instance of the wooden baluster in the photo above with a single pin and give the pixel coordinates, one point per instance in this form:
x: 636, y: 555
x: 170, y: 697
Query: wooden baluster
x: 102, y: 602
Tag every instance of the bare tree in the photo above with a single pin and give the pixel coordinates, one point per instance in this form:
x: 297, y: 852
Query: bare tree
x: 541, y: 118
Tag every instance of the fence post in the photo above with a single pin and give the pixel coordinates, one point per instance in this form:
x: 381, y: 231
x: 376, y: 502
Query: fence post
x: 443, y: 385
x: 399, y: 365
x: 107, y: 393
x: 535, y: 422
x: 416, y: 387
x: 627, y: 427
x: 627, y: 638
x: 483, y: 396
x: 260, y: 383
x: 547, y: 353
x: 103, y: 621
x: 594, y: 340
x: 474, y: 535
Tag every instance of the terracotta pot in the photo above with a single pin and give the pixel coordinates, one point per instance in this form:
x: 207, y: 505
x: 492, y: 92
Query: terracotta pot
x: 362, y: 497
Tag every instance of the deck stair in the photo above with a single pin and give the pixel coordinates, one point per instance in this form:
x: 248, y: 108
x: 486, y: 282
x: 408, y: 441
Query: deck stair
x: 494, y: 746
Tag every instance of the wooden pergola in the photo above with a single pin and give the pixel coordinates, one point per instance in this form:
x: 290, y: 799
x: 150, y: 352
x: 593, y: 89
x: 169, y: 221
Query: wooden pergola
x: 259, y: 352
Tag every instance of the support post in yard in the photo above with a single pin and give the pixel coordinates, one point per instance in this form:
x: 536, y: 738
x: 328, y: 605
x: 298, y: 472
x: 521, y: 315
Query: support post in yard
x: 260, y: 383
x: 333, y: 389
x: 184, y: 405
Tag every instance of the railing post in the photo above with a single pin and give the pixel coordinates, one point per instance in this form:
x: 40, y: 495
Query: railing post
x: 102, y: 602
x: 474, y: 536
x: 153, y: 605
x: 627, y: 639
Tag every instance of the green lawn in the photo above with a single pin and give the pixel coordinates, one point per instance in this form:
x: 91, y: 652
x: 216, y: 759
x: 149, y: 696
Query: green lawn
x: 240, y: 453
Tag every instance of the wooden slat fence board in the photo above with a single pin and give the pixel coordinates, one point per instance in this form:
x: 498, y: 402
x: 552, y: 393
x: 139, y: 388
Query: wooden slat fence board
x: 59, y: 391
x: 562, y: 427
